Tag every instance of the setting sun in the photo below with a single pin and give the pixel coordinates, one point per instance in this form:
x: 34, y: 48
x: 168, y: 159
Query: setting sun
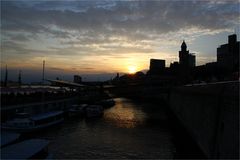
x: 132, y: 69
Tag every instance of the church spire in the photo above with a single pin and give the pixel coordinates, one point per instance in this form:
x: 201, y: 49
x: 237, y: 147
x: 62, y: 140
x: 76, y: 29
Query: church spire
x: 184, y: 46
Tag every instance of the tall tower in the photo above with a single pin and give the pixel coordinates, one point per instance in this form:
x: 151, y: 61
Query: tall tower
x: 186, y: 59
x: 184, y: 46
x: 183, y: 55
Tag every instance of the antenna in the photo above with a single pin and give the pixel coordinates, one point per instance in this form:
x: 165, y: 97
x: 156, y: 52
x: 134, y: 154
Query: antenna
x: 43, y: 73
x: 6, y: 77
x: 20, y: 78
x: 43, y: 96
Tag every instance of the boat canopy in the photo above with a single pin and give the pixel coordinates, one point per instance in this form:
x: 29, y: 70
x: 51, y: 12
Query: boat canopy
x: 22, y: 115
x: 46, y: 115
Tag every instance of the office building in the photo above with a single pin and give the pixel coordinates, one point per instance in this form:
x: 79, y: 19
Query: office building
x: 157, y: 66
x: 228, y: 54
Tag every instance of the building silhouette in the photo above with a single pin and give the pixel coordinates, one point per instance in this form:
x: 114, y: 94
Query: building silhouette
x: 157, y: 66
x: 186, y: 59
x: 178, y: 71
x: 77, y: 79
x: 228, y: 54
x: 185, y: 71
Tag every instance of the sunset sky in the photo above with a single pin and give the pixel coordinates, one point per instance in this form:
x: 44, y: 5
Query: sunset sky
x: 97, y: 39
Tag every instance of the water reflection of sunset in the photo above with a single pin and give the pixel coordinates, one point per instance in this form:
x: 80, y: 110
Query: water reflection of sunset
x: 125, y: 116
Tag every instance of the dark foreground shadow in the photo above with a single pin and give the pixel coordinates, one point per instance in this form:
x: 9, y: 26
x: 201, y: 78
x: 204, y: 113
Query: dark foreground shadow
x: 186, y: 147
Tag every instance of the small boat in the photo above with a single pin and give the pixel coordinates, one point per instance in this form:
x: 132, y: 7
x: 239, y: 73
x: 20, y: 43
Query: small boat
x: 107, y: 103
x: 77, y: 110
x: 8, y: 138
x: 94, y: 111
x: 25, y: 123
x: 28, y: 149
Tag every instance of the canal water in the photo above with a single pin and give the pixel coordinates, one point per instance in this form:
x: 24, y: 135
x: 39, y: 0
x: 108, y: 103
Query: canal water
x: 126, y: 130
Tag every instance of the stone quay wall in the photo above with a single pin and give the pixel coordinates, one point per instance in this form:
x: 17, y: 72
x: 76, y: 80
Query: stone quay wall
x: 210, y: 113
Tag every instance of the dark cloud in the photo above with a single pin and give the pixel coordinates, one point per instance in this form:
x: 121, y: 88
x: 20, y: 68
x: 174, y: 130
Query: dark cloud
x: 85, y: 27
x: 125, y: 16
x: 11, y: 48
x: 55, y: 69
x: 19, y: 37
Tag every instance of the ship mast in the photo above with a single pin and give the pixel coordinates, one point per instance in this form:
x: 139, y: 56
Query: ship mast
x: 43, y: 72
x: 20, y: 78
x: 6, y: 77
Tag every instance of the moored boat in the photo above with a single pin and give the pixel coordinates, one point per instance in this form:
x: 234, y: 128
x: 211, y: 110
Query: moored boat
x: 8, y: 138
x: 23, y: 122
x: 94, y: 111
x: 107, y: 103
x: 77, y: 110
x: 28, y: 149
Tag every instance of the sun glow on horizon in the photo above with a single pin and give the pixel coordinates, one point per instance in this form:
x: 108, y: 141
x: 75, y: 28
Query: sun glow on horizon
x: 132, y: 69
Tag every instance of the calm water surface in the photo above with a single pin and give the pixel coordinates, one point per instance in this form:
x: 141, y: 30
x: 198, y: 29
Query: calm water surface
x: 127, y: 130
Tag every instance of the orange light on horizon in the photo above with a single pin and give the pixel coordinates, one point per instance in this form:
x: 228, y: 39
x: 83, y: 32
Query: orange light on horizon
x: 87, y: 65
x: 132, y: 69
